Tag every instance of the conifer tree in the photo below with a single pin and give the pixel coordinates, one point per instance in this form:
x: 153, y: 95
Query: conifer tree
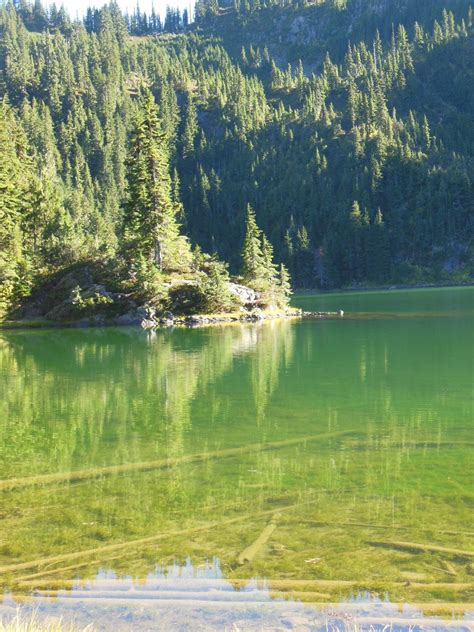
x: 189, y: 126
x: 284, y: 286
x: 269, y: 282
x: 304, y: 256
x: 151, y: 227
x: 426, y: 133
x: 252, y: 256
x: 307, y: 152
x: 14, y: 193
x: 259, y: 270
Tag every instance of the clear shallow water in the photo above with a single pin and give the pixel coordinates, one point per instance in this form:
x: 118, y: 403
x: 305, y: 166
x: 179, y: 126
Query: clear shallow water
x: 367, y: 426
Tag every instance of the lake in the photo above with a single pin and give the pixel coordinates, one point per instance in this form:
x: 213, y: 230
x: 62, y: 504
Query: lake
x: 278, y: 475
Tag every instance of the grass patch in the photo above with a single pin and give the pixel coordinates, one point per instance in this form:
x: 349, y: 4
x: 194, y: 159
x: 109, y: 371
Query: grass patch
x: 31, y: 622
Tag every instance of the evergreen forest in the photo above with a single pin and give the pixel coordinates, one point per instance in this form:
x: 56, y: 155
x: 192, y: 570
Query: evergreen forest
x: 319, y: 144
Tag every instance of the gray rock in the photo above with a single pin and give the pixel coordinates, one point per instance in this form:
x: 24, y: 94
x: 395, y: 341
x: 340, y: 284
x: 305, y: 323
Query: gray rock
x: 145, y: 315
x: 98, y: 320
x: 96, y: 289
x: 67, y: 282
x: 145, y: 311
x: 302, y: 31
x: 257, y: 314
x: 194, y: 318
x: 129, y: 319
x: 61, y: 311
x: 149, y: 324
x: 245, y: 294
x: 84, y: 323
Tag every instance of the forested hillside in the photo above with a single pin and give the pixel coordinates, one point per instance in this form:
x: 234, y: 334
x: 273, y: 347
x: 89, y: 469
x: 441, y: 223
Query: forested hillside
x: 348, y: 126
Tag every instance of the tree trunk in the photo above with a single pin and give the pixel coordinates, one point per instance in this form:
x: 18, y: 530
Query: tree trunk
x: 155, y: 254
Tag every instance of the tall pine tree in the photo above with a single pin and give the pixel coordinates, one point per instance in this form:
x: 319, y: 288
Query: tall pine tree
x: 151, y: 228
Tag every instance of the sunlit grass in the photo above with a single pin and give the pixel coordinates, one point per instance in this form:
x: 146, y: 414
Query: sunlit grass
x: 31, y: 622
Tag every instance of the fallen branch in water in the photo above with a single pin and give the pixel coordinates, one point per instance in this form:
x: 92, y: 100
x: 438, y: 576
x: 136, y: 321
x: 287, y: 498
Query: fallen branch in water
x: 287, y: 586
x: 381, y: 445
x: 253, y: 595
x: 449, y: 568
x: 369, y: 525
x: 42, y: 562
x: 442, y: 570
x: 422, y: 548
x: 63, y: 569
x: 286, y: 497
x: 102, y: 472
x: 249, y: 554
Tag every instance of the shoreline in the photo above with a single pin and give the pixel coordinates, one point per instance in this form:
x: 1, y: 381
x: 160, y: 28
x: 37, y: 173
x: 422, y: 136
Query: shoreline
x: 201, y: 320
x: 380, y: 288
x: 192, y: 321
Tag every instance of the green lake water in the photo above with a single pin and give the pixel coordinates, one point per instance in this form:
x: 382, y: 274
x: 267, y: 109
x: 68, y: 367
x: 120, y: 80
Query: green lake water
x: 332, y: 440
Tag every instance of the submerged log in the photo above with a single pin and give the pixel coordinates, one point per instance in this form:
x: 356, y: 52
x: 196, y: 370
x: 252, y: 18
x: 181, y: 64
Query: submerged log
x: 255, y: 596
x: 422, y: 548
x: 387, y: 527
x: 449, y: 568
x: 401, y: 445
x: 46, y: 561
x: 287, y: 586
x: 102, y: 472
x: 64, y: 569
x: 339, y: 313
x: 445, y: 569
x: 249, y: 554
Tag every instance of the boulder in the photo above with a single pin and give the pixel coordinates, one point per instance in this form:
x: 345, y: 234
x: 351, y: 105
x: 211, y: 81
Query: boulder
x: 61, y: 311
x: 96, y: 289
x: 149, y: 324
x: 144, y: 316
x: 256, y: 315
x: 92, y: 321
x: 67, y: 282
x: 245, y: 294
x: 146, y: 312
x: 194, y: 318
x: 129, y: 319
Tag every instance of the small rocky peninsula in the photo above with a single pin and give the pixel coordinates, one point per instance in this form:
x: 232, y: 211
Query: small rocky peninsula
x: 85, y: 297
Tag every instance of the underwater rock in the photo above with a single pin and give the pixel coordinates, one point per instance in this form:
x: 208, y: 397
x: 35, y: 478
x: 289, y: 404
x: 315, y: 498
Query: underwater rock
x: 340, y: 312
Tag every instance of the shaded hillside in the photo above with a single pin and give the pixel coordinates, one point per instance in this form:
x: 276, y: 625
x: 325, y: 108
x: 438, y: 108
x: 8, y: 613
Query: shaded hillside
x: 367, y: 164
x: 308, y: 30
x: 358, y: 157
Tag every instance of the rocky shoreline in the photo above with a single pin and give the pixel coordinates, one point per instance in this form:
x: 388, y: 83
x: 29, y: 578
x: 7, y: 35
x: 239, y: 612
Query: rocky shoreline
x: 198, y: 320
x: 144, y: 318
x: 77, y: 300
